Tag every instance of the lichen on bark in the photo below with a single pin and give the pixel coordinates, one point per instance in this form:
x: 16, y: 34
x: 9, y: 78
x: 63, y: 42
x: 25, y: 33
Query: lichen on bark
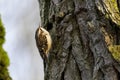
x: 81, y: 34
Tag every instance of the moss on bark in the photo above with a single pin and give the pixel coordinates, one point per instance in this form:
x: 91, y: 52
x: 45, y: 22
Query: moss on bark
x: 4, y: 60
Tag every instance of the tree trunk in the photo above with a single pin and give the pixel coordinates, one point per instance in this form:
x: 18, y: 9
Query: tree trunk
x: 81, y: 34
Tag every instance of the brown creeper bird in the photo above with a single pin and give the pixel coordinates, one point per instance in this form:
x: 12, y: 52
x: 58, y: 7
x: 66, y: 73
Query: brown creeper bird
x: 43, y: 41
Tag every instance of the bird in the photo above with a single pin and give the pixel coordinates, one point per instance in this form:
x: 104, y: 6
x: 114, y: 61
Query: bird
x: 43, y: 42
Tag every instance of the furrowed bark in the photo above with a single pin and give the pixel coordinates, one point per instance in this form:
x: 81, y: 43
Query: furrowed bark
x: 81, y: 34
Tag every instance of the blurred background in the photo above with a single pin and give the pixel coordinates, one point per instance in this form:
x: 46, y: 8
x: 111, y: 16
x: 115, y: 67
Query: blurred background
x: 21, y: 19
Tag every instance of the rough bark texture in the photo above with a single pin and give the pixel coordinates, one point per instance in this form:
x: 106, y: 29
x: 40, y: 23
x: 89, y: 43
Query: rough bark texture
x: 81, y: 34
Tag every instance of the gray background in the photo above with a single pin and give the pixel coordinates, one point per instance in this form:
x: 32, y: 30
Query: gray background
x: 21, y: 18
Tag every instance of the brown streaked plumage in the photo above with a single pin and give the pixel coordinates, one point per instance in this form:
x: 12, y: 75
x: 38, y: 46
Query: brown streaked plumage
x: 43, y: 41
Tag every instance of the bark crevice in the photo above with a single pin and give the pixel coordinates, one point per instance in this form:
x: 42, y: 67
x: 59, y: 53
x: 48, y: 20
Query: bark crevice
x: 81, y: 34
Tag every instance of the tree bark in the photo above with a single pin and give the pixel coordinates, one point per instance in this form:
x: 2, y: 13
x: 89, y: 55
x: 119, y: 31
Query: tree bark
x: 81, y: 34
